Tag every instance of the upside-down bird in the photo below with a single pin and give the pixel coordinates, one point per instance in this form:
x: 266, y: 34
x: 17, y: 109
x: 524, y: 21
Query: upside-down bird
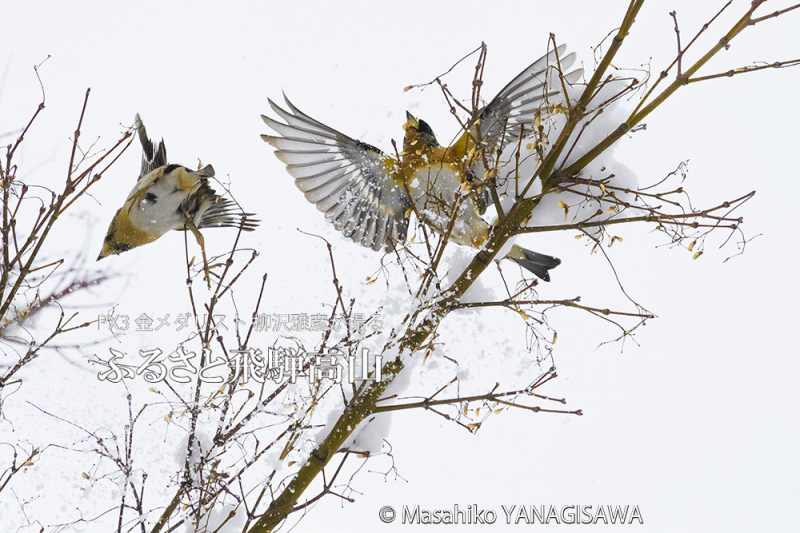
x: 169, y: 197
x: 369, y: 196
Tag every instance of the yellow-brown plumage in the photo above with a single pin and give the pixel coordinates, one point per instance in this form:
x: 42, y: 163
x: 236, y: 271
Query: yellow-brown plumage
x: 122, y: 231
x: 169, y: 197
x: 433, y: 175
x: 369, y: 196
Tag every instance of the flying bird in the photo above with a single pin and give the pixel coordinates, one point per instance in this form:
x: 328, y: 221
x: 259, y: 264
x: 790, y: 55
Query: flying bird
x: 369, y: 196
x: 169, y: 197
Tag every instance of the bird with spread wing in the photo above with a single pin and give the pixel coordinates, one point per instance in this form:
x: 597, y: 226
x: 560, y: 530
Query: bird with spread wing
x: 369, y: 196
x: 169, y: 197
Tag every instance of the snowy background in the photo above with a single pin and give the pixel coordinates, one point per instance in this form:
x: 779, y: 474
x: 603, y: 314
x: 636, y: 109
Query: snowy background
x: 696, y: 425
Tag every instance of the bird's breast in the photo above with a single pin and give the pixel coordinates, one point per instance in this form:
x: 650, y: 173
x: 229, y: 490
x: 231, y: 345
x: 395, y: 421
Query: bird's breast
x: 433, y: 189
x: 156, y: 209
x: 438, y: 179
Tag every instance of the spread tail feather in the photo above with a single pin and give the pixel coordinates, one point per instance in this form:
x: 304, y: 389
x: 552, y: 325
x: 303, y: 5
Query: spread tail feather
x: 224, y: 213
x: 538, y: 264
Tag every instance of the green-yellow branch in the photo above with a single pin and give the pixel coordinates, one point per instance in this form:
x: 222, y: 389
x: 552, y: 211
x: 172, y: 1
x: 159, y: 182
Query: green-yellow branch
x: 420, y: 327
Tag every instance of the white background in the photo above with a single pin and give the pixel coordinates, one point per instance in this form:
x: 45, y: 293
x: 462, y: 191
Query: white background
x: 697, y: 424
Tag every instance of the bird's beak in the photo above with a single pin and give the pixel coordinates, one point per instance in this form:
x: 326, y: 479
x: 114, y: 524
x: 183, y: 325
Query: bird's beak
x: 411, y: 121
x: 105, y: 252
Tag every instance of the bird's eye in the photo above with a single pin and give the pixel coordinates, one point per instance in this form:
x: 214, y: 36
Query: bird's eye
x: 120, y: 247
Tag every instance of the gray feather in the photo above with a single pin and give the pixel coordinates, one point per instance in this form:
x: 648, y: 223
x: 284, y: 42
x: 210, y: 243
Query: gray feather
x: 152, y: 158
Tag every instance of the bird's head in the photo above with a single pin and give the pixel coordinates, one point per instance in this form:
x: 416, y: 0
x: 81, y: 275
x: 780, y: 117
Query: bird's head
x: 122, y: 235
x: 418, y: 135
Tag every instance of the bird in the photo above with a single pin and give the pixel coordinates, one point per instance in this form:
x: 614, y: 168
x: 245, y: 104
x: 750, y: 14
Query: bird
x: 166, y: 197
x: 369, y: 196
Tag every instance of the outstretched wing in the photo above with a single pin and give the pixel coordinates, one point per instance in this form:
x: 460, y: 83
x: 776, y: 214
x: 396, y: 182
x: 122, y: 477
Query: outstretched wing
x: 151, y: 158
x: 531, y: 91
x: 348, y: 180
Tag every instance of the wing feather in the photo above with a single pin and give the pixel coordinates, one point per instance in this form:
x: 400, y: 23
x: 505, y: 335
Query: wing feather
x: 346, y: 179
x: 531, y: 91
x: 518, y: 102
x: 152, y: 158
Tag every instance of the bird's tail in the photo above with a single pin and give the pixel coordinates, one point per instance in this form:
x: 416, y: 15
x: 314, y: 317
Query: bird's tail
x: 538, y: 264
x: 224, y: 213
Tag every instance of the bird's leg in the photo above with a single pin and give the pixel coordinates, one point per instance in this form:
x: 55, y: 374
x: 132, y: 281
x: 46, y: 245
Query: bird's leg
x: 202, y: 243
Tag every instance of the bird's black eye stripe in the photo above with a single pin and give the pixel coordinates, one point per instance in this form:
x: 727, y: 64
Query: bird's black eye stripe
x: 121, y: 247
x: 424, y: 127
x: 150, y: 197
